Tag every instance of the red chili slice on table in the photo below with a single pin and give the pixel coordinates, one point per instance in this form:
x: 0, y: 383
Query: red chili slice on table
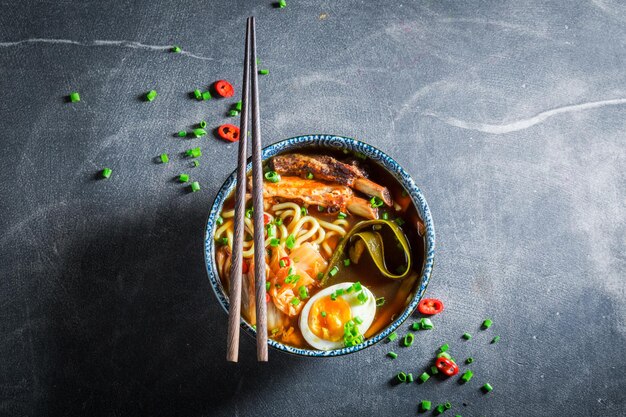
x: 446, y: 366
x: 228, y: 132
x: 224, y: 88
x: 430, y: 306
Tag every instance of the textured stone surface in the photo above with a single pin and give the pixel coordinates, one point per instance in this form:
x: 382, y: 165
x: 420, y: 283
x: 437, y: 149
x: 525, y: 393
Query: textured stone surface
x: 511, y: 116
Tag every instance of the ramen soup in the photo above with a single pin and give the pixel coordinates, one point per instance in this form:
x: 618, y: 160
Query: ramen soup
x: 344, y: 249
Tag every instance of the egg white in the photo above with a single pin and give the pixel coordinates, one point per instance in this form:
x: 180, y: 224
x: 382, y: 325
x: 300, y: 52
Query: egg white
x: 364, y: 311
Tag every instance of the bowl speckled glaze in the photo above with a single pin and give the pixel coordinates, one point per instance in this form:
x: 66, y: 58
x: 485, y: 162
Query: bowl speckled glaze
x: 333, y: 142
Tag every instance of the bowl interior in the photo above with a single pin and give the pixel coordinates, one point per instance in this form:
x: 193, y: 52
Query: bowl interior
x: 341, y: 143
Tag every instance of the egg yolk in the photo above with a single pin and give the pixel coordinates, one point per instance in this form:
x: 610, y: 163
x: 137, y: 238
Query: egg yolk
x: 327, y: 318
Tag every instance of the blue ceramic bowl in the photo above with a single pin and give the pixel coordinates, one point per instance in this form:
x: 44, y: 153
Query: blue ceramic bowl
x: 330, y: 142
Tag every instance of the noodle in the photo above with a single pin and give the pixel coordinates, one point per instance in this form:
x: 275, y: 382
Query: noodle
x: 303, y: 228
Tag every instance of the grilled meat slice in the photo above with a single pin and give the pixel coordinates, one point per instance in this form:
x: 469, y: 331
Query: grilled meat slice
x: 316, y: 193
x: 327, y: 168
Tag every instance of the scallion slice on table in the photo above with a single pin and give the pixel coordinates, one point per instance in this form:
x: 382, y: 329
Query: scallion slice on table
x: 164, y: 158
x: 195, y: 186
x: 444, y: 348
x: 467, y: 375
x: 176, y: 49
x: 487, y: 387
x: 185, y: 178
x: 467, y: 336
x: 233, y: 113
x: 106, y: 172
x: 393, y: 336
x: 392, y: 355
x: 495, y: 339
x: 199, y: 132
x: 487, y: 323
x: 207, y: 95
x: 469, y: 360
x: 151, y: 95
x: 182, y: 133
x: 282, y: 4
x: 401, y: 377
x: 408, y: 339
x: 424, y: 377
x: 264, y: 71
x: 426, y: 324
x: 74, y: 97
x: 197, y: 94
x: 202, y: 124
x: 425, y: 405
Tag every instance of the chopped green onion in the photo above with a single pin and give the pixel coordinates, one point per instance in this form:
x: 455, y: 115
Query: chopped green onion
x: 303, y: 211
x: 487, y: 323
x: 194, y: 152
x: 357, y: 286
x: 399, y: 221
x: 401, y: 377
x: 74, y: 97
x: 392, y: 355
x: 223, y: 241
x: 278, y: 221
x: 233, y: 113
x: 182, y: 134
x: 467, y: 336
x: 176, y: 49
x: 440, y: 408
x: 282, y: 263
x: 238, y: 106
x: 290, y: 242
x: 434, y: 370
x: 467, y: 375
x: 333, y: 296
x: 202, y: 124
x: 295, y: 301
x: 346, y: 262
x: 447, y: 406
x: 206, y: 95
x: 195, y: 186
x: 199, y: 131
x: 376, y: 202
x: 342, y: 215
x: 309, y: 176
x: 185, y: 178
x: 267, y: 285
x: 444, y: 348
x: 469, y: 360
x: 358, y: 320
x: 274, y: 242
x: 164, y: 158
x: 424, y: 377
x: 264, y: 71
x: 282, y: 4
x: 445, y: 355
x: 495, y: 339
x: 272, y: 176
x: 393, y: 336
x: 408, y: 339
x: 219, y: 220
x: 380, y: 301
x: 196, y: 163
x: 333, y: 271
x: 385, y: 216
x: 151, y: 95
x: 425, y: 405
x: 323, y: 314
x: 106, y: 172
x: 487, y: 387
x: 197, y: 94
x: 416, y: 326
x: 409, y: 378
x: 427, y: 324
x: 271, y: 230
x: 339, y: 291
x: 303, y: 292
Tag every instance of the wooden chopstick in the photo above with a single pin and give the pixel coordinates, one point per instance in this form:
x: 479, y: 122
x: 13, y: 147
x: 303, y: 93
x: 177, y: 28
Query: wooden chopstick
x: 257, y: 201
x: 234, y: 311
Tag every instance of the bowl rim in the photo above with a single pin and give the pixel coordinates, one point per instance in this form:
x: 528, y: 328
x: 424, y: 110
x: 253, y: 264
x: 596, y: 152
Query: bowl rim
x: 336, y: 142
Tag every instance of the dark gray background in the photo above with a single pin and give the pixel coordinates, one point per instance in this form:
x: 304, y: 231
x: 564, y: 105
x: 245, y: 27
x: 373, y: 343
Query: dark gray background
x: 511, y: 116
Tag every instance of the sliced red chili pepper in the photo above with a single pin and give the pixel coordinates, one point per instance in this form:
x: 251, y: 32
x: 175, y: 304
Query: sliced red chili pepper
x: 244, y: 267
x: 267, y: 298
x: 228, y: 132
x: 224, y: 88
x: 430, y: 306
x: 266, y: 218
x: 286, y: 260
x: 446, y: 366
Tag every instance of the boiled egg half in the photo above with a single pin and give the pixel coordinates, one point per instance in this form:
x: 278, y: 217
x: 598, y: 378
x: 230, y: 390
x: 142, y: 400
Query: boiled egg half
x: 323, y: 318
